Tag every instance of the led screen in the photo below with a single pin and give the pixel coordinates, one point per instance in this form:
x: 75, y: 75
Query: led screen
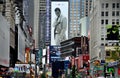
x: 112, y: 32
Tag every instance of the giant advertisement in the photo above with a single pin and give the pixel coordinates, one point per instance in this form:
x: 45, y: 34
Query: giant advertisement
x: 21, y: 45
x: 59, y: 21
x: 113, y: 32
x: 4, y: 41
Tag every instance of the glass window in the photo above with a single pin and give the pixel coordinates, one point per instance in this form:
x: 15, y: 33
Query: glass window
x: 113, y: 13
x: 106, y: 13
x: 113, y: 21
x: 118, y: 4
x: 107, y: 53
x: 117, y: 21
x: 102, y: 5
x: 106, y: 21
x: 102, y: 38
x: 102, y: 13
x: 113, y: 5
x: 117, y: 13
x: 102, y: 21
x: 102, y: 44
x: 107, y: 5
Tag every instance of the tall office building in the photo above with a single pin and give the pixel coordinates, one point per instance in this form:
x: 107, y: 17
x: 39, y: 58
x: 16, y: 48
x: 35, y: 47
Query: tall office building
x: 103, y: 13
x: 85, y: 7
x: 36, y: 22
x: 78, y: 9
x: 42, y: 22
x: 41, y: 28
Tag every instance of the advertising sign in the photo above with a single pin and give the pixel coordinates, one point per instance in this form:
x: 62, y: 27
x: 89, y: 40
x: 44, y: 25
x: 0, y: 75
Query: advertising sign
x: 59, y: 21
x: 21, y: 45
x: 55, y: 53
x: 4, y: 41
x: 112, y: 32
x: 23, y: 67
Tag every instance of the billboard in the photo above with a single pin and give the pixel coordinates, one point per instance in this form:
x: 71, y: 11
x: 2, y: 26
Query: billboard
x: 4, y: 41
x: 24, y: 67
x: 59, y: 21
x: 112, y: 32
x: 21, y: 45
x: 55, y: 53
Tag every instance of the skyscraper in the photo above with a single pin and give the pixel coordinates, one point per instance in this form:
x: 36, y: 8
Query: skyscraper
x: 41, y: 22
x: 78, y: 9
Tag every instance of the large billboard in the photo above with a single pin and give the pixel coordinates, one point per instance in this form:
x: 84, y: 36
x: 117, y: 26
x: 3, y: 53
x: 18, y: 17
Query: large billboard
x: 21, y: 45
x: 112, y: 32
x: 4, y: 41
x: 59, y: 21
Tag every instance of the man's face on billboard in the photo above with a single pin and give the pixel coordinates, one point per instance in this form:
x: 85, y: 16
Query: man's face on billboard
x: 57, y: 12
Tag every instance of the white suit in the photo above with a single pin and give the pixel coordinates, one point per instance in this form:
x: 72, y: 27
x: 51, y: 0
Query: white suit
x: 60, y: 26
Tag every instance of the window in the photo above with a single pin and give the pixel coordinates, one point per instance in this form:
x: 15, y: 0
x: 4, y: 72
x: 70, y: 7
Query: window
x: 106, y: 21
x: 106, y: 13
x: 113, y: 21
x: 107, y: 53
x: 102, y: 13
x: 102, y: 5
x: 117, y: 13
x: 106, y: 44
x: 113, y: 13
x: 102, y: 21
x: 102, y: 44
x: 117, y: 21
x: 113, y: 5
x: 102, y: 38
x: 106, y: 5
x: 118, y: 5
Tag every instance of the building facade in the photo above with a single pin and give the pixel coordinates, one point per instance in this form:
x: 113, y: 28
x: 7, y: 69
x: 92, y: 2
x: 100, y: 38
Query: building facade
x: 78, y: 9
x: 41, y: 27
x: 15, y: 12
x: 84, y: 26
x: 103, y: 13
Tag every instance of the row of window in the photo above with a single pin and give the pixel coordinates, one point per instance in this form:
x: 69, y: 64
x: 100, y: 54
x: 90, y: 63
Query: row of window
x: 114, y: 5
x: 114, y: 13
x: 113, y: 21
